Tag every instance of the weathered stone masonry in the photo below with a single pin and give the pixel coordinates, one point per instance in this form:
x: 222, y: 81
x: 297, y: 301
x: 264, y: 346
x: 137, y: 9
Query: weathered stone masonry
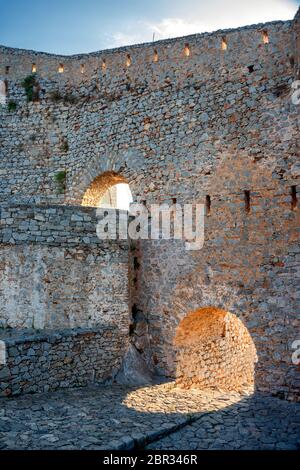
x: 56, y: 272
x: 217, y: 123
x: 161, y: 124
x: 64, y: 299
x: 48, y: 360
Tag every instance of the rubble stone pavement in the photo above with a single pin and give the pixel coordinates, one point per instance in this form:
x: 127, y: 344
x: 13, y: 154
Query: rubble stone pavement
x: 160, y: 416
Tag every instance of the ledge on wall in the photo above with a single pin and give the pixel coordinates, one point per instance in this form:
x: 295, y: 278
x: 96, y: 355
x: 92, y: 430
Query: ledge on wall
x: 52, y: 359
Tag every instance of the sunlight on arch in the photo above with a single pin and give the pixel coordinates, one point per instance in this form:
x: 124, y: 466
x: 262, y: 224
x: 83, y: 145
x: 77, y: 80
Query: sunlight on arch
x: 214, y: 351
x: 108, y: 190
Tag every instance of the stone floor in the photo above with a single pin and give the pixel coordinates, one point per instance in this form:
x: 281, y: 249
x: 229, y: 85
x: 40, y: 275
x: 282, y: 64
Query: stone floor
x: 157, y: 417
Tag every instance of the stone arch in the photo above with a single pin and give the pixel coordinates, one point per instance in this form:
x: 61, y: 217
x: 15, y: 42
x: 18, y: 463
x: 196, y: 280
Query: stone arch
x: 128, y: 164
x: 103, y: 191
x: 3, y: 91
x: 214, y: 350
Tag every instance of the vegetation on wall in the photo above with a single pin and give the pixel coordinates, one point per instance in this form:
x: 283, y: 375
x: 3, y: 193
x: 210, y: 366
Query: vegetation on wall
x: 64, y: 145
x: 56, y: 96
x: 30, y: 86
x: 20, y: 147
x: 68, y: 98
x: 60, y: 180
x: 11, y: 106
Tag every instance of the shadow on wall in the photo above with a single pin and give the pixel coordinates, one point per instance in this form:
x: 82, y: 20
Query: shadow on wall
x: 214, y: 350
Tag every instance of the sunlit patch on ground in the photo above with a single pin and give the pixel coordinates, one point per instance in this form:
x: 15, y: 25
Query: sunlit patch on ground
x: 118, y: 417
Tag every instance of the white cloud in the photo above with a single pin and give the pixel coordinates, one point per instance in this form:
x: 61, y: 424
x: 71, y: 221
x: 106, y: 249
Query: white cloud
x: 120, y: 39
x: 220, y: 14
x: 144, y: 31
x: 172, y: 27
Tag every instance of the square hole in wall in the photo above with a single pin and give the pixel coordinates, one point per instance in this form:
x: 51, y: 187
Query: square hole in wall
x: 128, y: 61
x: 266, y: 37
x: 224, y: 44
x: 187, y: 50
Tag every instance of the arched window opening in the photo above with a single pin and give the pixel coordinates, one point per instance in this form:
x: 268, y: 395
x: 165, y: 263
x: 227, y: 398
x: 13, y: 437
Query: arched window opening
x: 224, y: 44
x: 3, y: 91
x: 109, y: 190
x: 128, y: 60
x: 266, y: 37
x: 187, y: 50
x: 117, y: 196
x: 214, y: 350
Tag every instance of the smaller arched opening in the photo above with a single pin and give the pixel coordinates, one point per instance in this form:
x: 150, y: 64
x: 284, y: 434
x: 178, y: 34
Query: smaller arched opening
x: 108, y: 190
x: 214, y: 350
x: 3, y: 91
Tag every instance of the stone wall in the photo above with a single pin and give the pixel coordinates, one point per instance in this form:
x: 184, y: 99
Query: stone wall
x: 165, y: 126
x: 178, y: 126
x: 53, y: 225
x: 214, y: 350
x: 48, y: 360
x: 64, y: 315
x: 296, y: 31
x: 56, y: 273
x: 248, y: 266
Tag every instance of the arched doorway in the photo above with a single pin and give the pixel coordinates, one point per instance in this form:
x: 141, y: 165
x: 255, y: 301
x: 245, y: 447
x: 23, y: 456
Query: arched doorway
x: 214, y: 350
x: 108, y: 190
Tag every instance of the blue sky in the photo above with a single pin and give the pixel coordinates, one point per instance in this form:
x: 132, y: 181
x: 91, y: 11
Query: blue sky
x: 74, y: 26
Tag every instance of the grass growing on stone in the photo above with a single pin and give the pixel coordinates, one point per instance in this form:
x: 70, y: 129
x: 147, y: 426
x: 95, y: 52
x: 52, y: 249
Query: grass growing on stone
x: 56, y: 96
x: 29, y: 83
x: 11, y: 106
x: 60, y: 179
x: 68, y: 98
